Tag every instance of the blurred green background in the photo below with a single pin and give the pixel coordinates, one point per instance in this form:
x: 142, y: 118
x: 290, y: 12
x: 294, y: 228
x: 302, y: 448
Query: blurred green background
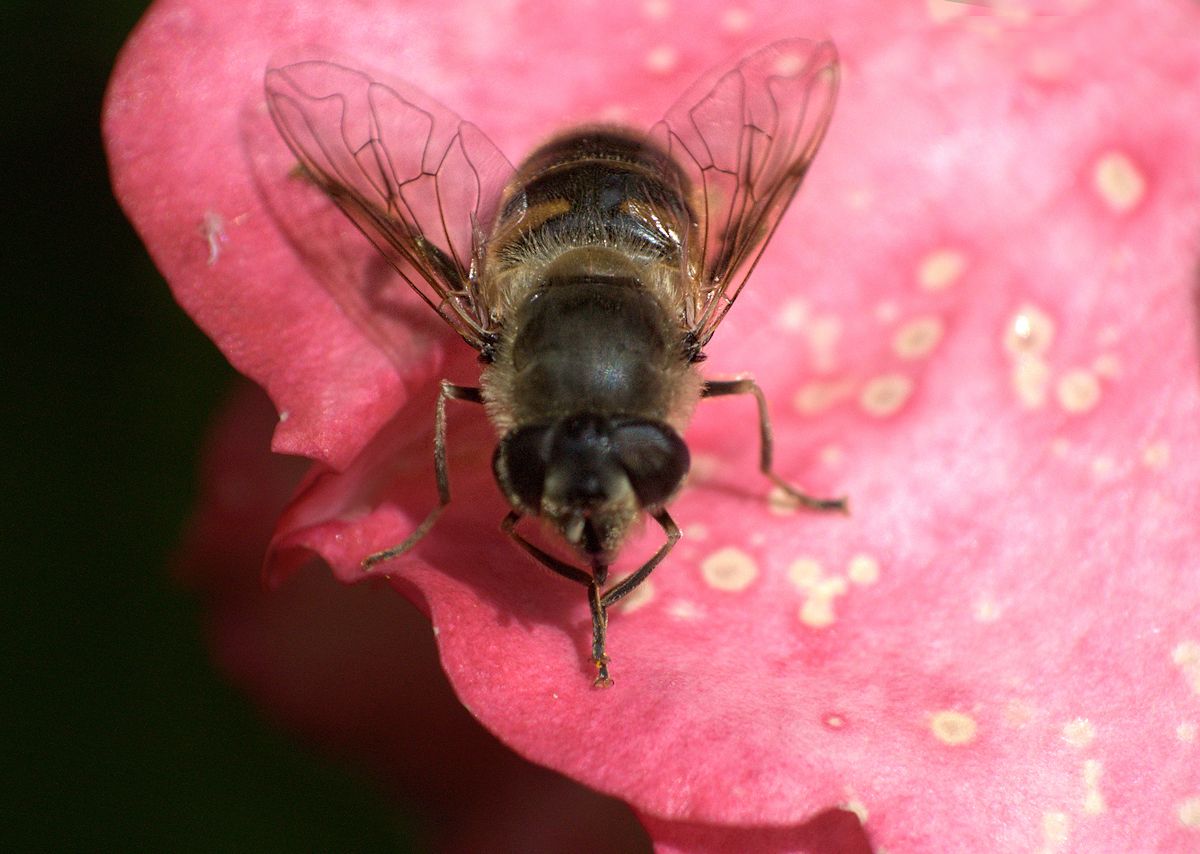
x: 118, y: 735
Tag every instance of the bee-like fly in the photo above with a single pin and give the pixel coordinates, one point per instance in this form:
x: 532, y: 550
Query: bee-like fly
x: 590, y: 278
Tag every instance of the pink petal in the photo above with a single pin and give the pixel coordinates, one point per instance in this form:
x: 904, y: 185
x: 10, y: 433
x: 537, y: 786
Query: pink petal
x: 978, y: 322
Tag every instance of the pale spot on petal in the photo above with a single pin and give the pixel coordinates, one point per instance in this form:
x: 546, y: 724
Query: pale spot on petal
x: 805, y: 572
x: 1187, y: 658
x: 1189, y: 812
x: 887, y: 311
x: 1103, y: 467
x: 819, y: 396
x: 1157, y: 455
x: 284, y: 415
x: 1018, y: 714
x: 638, y: 597
x: 1079, y: 732
x: 662, y: 59
x: 860, y: 199
x: 832, y: 586
x: 1118, y: 181
x: 735, y: 20
x: 1078, y: 391
x: 1029, y: 332
x: 817, y: 612
x: 863, y: 569
x: 823, y: 334
x: 953, y: 728
x: 940, y: 269
x: 986, y: 611
x: 615, y: 114
x: 1108, y: 336
x: 917, y: 338
x: 794, y: 315
x: 1107, y: 365
x: 729, y: 569
x: 834, y: 721
x: 884, y: 395
x: 656, y: 10
x: 1186, y: 732
x: 1056, y: 827
x: 696, y: 531
x: 1030, y: 377
x: 685, y: 610
x: 1093, y: 800
x: 831, y: 455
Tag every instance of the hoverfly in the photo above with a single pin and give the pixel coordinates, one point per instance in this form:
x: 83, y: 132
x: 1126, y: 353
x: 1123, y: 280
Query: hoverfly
x: 589, y: 278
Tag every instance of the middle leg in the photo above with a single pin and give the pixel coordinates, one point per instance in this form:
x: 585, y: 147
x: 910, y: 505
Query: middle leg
x: 722, y: 388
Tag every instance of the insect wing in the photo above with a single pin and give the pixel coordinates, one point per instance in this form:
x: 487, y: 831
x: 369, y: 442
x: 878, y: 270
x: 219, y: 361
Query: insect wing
x: 745, y: 138
x: 416, y: 179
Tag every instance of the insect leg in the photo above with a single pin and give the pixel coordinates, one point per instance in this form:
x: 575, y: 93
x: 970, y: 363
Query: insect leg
x: 626, y: 585
x: 509, y: 526
x: 721, y: 388
x: 599, y: 601
x: 449, y: 390
x: 599, y: 635
x: 593, y: 583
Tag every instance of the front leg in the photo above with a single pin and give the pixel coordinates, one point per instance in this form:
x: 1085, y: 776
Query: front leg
x: 449, y: 391
x: 601, y: 602
x: 721, y: 388
x: 592, y: 582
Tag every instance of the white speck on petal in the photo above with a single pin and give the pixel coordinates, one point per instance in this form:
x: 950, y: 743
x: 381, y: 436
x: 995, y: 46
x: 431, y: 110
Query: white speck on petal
x: 1029, y: 332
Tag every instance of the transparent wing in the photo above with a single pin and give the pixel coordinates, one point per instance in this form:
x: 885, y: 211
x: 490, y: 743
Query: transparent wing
x: 416, y: 179
x: 745, y: 137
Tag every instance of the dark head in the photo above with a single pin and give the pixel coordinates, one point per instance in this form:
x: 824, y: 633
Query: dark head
x: 591, y: 475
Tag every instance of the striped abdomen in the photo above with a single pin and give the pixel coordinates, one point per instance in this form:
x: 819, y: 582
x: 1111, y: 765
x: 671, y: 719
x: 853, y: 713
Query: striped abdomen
x: 596, y: 187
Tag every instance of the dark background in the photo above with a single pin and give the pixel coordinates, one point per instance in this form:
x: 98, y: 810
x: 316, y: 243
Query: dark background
x: 117, y: 733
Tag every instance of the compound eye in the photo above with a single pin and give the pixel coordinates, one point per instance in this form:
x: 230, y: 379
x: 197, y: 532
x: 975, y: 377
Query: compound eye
x: 654, y: 458
x: 520, y: 464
